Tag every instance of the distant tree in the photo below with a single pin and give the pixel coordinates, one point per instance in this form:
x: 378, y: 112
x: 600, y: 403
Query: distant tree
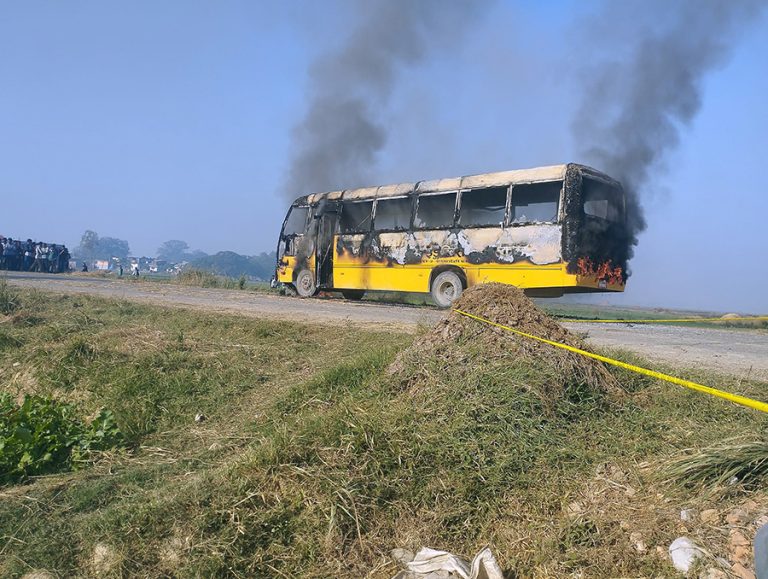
x: 196, y: 254
x: 93, y: 247
x: 173, y: 250
x: 88, y: 245
x: 109, y: 247
x: 233, y: 264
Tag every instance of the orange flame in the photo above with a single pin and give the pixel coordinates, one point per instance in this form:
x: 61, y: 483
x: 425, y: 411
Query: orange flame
x: 604, y: 271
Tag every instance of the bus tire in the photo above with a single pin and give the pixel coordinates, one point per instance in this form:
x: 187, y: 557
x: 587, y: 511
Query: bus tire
x: 354, y: 295
x: 305, y: 284
x: 446, y: 288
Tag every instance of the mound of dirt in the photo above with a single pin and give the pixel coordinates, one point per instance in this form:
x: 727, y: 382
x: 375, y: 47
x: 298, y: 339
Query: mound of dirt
x: 458, y: 342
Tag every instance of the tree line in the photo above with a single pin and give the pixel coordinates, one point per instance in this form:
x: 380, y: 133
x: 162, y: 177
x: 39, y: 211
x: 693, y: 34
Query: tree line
x: 93, y: 248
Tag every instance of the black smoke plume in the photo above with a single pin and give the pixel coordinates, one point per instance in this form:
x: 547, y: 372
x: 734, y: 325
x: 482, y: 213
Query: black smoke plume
x: 636, y: 102
x: 336, y: 144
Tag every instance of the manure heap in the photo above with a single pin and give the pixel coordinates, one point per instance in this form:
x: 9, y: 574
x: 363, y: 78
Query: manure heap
x: 457, y: 343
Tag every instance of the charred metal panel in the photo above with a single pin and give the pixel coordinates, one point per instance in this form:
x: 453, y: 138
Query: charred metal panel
x: 435, y: 185
x: 554, y: 173
x: 536, y: 244
x: 363, y: 193
x: 592, y: 247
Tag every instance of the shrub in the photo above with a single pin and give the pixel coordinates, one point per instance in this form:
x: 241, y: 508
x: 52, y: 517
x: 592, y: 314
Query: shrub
x: 44, y: 435
x: 198, y: 278
x: 9, y: 298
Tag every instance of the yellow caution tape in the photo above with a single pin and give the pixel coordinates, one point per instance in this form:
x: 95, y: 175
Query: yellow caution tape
x: 665, y: 321
x: 735, y: 398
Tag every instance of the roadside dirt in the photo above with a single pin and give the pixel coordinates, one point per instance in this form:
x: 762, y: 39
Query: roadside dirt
x: 742, y: 353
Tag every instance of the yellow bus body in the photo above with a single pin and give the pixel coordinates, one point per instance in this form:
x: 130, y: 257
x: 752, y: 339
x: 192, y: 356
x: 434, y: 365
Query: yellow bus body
x: 351, y: 273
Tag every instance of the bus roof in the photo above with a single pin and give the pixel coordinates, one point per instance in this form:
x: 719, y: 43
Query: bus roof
x: 502, y: 178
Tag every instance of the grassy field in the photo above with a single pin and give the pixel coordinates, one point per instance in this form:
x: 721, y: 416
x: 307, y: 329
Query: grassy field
x: 315, y: 459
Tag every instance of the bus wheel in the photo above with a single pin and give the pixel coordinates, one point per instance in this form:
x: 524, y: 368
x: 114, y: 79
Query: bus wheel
x: 353, y: 294
x: 446, y: 288
x: 305, y: 284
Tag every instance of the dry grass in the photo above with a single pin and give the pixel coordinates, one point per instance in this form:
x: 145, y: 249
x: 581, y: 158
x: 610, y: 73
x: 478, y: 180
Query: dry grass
x: 742, y: 461
x: 315, y: 459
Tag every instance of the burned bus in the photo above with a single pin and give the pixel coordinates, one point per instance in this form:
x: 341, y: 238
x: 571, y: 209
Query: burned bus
x: 547, y: 230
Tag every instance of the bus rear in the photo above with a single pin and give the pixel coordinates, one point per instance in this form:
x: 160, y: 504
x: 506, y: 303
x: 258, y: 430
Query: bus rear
x: 596, y: 242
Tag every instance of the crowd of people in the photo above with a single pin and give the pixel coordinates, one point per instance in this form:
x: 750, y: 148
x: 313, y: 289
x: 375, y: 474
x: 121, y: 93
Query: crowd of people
x: 17, y: 255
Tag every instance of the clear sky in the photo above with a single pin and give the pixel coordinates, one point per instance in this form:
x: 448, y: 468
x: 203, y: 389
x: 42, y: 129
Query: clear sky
x: 151, y: 121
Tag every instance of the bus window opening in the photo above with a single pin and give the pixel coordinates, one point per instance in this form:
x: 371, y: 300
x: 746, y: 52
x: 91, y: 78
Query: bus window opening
x: 535, y: 202
x: 356, y: 217
x: 393, y: 214
x: 601, y: 200
x: 435, y: 211
x: 483, y: 207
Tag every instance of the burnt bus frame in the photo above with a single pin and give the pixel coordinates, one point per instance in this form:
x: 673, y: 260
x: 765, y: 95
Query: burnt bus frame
x: 570, y: 215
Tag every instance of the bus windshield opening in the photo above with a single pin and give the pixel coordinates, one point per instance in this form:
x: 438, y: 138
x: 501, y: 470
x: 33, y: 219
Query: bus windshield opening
x: 601, y: 200
x: 297, y: 221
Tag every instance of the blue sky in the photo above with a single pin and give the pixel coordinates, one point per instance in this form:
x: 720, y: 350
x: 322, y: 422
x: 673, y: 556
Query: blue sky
x: 151, y: 121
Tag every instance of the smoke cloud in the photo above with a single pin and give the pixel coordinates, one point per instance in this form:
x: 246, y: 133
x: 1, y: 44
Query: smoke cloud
x: 337, y: 142
x: 635, y: 103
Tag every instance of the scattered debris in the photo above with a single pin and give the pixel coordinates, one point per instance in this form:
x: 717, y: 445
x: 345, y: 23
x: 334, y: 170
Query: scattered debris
x: 687, y: 515
x: 433, y: 564
x: 684, y: 553
x: 200, y: 417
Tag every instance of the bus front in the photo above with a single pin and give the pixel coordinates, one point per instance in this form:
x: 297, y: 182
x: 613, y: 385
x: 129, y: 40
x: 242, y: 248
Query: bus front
x: 596, y: 240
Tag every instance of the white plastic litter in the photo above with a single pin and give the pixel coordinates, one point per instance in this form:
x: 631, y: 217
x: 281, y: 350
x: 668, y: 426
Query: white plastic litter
x: 684, y: 553
x: 434, y: 564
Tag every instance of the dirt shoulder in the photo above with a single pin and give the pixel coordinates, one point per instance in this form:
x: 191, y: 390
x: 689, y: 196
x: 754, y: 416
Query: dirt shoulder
x: 742, y: 353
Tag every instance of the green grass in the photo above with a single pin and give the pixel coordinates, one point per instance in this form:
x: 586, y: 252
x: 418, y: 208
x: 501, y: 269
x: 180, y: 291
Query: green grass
x: 315, y: 459
x: 586, y: 312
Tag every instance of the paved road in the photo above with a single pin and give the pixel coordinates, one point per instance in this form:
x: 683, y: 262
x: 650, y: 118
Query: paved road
x: 743, y: 353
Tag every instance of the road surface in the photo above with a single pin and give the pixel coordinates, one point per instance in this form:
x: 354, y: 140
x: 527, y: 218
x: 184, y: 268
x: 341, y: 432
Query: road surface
x: 743, y: 353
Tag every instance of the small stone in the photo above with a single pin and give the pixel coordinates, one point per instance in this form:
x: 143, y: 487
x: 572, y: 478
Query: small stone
x: 710, y: 516
x: 733, y: 480
x: 750, y: 505
x: 737, y: 518
x: 737, y: 539
x: 742, y: 572
x: 684, y: 553
x: 687, y: 515
x: 741, y: 554
x: 637, y: 542
x: 402, y: 556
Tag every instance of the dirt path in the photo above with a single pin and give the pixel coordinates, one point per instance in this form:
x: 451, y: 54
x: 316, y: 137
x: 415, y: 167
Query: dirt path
x: 743, y: 353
